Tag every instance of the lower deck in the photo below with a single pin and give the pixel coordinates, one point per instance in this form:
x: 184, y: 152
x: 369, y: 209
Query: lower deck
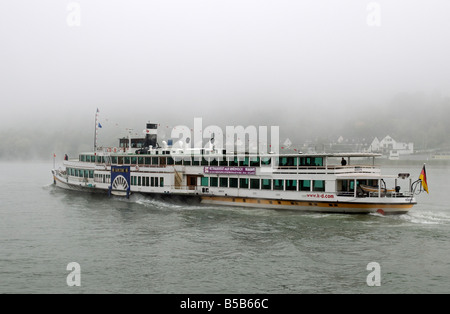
x: 309, y: 201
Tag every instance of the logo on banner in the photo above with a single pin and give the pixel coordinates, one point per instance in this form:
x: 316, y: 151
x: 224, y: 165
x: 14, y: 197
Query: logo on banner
x: 120, y: 179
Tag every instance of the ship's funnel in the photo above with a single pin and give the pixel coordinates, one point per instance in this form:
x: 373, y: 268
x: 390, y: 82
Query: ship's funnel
x: 151, y: 135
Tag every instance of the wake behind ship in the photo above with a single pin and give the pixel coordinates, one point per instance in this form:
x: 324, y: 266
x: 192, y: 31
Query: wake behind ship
x: 304, y: 182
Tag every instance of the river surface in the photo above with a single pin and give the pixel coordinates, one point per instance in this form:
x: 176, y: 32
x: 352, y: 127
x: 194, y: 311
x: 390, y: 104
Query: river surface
x: 146, y: 245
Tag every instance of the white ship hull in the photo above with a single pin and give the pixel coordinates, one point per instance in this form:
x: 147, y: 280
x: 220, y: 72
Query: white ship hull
x: 354, y: 207
x: 332, y: 204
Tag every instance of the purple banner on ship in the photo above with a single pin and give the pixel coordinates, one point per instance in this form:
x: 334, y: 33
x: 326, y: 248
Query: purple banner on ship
x: 230, y: 170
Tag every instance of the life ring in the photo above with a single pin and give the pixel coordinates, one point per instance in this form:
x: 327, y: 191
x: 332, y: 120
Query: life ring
x: 109, y: 149
x: 115, y: 149
x: 137, y: 168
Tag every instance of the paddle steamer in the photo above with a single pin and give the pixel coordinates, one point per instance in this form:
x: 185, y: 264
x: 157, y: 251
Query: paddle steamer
x: 305, y: 182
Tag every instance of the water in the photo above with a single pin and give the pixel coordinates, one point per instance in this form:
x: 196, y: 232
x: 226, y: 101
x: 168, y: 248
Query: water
x: 145, y: 245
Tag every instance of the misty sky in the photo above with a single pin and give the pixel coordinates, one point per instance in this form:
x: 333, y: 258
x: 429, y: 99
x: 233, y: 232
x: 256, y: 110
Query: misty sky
x: 173, y: 60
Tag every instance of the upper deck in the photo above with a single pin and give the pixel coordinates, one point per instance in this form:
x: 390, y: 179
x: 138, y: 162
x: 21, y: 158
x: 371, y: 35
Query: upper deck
x: 275, y: 163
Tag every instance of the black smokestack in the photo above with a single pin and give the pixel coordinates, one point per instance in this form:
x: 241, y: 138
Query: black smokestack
x: 151, y: 137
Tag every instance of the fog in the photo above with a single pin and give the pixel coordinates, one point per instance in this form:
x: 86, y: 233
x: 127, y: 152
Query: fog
x: 317, y: 69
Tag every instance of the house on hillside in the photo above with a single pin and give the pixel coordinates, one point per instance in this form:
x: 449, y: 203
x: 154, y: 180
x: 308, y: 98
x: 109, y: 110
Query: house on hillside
x: 388, y: 145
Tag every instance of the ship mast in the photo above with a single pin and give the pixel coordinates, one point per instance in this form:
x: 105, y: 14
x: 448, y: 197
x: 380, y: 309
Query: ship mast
x: 96, y: 131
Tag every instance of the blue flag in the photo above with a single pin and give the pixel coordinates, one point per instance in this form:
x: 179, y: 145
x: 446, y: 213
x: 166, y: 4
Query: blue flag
x: 99, y: 125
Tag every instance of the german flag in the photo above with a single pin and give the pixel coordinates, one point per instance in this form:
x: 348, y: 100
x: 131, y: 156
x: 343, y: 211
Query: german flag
x: 423, y: 179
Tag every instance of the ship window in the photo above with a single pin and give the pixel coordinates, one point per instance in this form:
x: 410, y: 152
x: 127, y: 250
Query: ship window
x: 114, y: 159
x: 223, y: 182
x: 154, y: 161
x: 161, y: 182
x: 133, y: 180
x: 291, y: 185
x: 195, y: 161
x: 233, y: 182
x: 126, y: 161
x: 82, y: 158
x: 147, y: 160
x: 243, y: 183
x: 265, y: 161
x: 140, y: 160
x: 170, y: 161
x: 120, y: 160
x: 213, y: 162
x: 363, y: 182
x: 91, y: 174
x: 223, y: 161
x: 233, y: 162
x: 254, y: 184
x: 254, y: 162
x: 278, y: 184
x: 243, y: 162
x: 133, y: 160
x: 205, y: 181
x: 187, y: 161
x: 319, y: 185
x: 290, y: 161
x: 204, y: 162
x: 304, y: 185
x: 152, y: 181
x: 76, y: 172
x: 213, y: 181
x: 178, y: 161
x: 139, y: 181
x: 305, y: 161
x: 156, y: 182
x: 342, y: 185
x: 318, y: 161
x: 266, y: 184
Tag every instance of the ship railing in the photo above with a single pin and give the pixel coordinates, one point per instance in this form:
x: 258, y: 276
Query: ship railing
x: 76, y: 163
x: 185, y: 187
x: 346, y: 194
x: 326, y: 169
x: 352, y: 169
x: 393, y: 194
x: 109, y: 150
x: 375, y: 194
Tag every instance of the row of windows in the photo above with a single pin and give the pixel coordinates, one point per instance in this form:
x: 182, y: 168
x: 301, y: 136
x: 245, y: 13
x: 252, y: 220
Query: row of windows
x: 102, y: 178
x: 204, y: 161
x: 147, y: 181
x: 264, y: 184
x: 82, y: 173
